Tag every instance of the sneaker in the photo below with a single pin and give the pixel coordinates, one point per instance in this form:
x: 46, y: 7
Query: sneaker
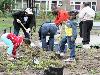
x: 10, y: 58
x: 36, y: 61
x: 62, y: 54
x: 58, y: 52
x: 87, y: 46
x: 44, y: 49
x: 70, y: 60
x: 0, y: 62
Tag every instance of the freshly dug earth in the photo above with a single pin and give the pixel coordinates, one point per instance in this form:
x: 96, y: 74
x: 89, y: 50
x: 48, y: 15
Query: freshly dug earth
x: 87, y: 63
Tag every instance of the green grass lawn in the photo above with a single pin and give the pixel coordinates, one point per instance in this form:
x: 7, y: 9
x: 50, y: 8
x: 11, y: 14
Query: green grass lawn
x: 6, y: 22
x: 96, y: 20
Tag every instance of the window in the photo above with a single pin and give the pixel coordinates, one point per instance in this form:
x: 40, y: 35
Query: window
x: 60, y: 3
x: 77, y: 2
x: 48, y: 5
x: 42, y: 5
x: 77, y: 7
x: 72, y: 3
x: 72, y: 7
x: 55, y: 2
x: 93, y: 3
x: 24, y: 5
x: 18, y: 4
x: 37, y: 5
x: 89, y: 3
x: 94, y: 6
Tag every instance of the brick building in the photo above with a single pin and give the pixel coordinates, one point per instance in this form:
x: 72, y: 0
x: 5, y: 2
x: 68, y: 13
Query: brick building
x: 46, y: 4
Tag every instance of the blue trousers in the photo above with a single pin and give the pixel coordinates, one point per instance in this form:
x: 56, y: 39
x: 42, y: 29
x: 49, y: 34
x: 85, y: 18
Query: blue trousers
x: 71, y: 45
x: 49, y: 29
x: 8, y: 42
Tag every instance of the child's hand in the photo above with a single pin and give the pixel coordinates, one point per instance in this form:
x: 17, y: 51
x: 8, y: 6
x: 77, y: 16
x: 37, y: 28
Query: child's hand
x: 58, y: 31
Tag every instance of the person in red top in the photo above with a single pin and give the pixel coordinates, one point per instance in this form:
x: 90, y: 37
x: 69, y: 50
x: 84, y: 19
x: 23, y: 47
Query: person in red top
x: 13, y: 42
x: 61, y: 15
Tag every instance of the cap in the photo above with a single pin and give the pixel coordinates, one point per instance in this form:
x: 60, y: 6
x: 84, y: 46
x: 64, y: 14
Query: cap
x: 29, y: 11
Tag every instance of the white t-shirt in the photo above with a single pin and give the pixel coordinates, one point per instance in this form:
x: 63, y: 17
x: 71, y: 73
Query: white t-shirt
x: 87, y: 13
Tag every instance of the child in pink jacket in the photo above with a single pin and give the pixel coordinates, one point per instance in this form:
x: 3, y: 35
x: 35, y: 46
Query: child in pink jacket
x: 13, y: 42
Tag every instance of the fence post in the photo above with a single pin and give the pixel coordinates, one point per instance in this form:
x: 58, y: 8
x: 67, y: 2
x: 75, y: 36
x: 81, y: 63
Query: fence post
x: 4, y: 30
x: 10, y: 29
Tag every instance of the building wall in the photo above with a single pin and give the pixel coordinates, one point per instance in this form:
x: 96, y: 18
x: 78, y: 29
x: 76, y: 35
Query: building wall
x: 98, y: 5
x: 21, y: 4
x: 83, y: 0
x: 75, y: 4
x: 41, y: 4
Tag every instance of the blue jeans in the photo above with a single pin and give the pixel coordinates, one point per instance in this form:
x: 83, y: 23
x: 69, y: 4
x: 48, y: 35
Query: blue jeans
x: 45, y: 29
x: 71, y: 45
x: 17, y: 29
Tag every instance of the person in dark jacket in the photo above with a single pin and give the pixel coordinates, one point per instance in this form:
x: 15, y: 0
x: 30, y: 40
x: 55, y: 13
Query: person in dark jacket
x: 24, y: 17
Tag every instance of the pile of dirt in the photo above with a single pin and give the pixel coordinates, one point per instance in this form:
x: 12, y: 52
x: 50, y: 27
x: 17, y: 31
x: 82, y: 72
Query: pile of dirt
x: 87, y: 63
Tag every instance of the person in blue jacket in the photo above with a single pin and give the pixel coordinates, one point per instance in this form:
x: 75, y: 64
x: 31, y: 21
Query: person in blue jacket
x: 71, y: 35
x: 47, y: 29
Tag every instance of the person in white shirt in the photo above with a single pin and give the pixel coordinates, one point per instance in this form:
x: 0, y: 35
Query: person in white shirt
x: 86, y: 15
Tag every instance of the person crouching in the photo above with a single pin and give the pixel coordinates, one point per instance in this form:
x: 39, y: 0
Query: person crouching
x: 48, y: 29
x: 13, y: 42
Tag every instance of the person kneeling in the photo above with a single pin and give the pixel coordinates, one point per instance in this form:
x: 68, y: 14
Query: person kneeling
x: 13, y: 42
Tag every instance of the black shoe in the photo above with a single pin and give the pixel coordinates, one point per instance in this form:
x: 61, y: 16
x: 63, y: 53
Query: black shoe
x: 84, y: 43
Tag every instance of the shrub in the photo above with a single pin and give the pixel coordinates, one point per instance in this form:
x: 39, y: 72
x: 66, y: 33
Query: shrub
x: 97, y: 17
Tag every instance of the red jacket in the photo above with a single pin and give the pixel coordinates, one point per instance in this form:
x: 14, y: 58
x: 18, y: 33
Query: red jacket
x: 16, y: 40
x: 62, y: 16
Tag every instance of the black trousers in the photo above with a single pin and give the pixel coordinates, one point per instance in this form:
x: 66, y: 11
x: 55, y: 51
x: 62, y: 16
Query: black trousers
x: 86, y: 28
x: 17, y: 27
x: 80, y: 27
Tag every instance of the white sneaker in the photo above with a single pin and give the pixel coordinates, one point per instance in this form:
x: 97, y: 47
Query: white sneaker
x: 58, y: 52
x: 62, y: 54
x: 36, y: 61
x: 69, y: 60
x: 10, y: 58
x: 87, y: 46
x: 32, y: 45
